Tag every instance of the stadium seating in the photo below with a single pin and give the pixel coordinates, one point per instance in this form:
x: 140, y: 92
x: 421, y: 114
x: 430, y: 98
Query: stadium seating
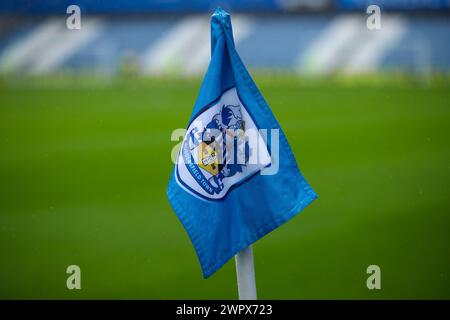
x: 179, y: 44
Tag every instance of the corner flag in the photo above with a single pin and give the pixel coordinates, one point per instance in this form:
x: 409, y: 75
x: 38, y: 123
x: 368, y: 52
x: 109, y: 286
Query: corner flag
x: 235, y: 178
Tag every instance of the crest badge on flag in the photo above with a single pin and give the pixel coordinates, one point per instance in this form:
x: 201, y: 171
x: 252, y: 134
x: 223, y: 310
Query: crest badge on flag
x: 203, y: 167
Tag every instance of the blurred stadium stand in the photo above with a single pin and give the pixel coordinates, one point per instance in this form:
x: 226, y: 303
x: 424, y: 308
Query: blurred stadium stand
x: 154, y: 37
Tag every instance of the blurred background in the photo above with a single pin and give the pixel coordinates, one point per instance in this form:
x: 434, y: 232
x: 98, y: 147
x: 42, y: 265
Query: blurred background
x: 86, y: 117
x: 172, y: 37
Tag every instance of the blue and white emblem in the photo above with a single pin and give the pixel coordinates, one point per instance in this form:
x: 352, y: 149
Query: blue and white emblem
x: 222, y: 147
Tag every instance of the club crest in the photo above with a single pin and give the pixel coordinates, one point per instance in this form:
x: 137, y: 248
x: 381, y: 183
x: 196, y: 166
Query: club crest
x: 218, y: 152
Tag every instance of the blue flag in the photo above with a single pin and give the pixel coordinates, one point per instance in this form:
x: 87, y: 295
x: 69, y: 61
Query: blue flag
x: 235, y: 178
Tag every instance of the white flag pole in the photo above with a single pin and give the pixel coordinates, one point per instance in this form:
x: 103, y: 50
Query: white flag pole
x: 245, y: 272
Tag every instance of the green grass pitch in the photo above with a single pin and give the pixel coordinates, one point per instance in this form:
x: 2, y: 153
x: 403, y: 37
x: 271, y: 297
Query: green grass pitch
x: 84, y: 169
